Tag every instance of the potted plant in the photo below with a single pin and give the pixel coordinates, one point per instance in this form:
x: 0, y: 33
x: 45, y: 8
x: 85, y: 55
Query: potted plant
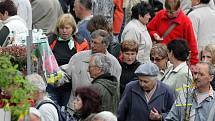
x: 15, y: 90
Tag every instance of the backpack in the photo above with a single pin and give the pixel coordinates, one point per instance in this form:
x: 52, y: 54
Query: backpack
x: 63, y: 115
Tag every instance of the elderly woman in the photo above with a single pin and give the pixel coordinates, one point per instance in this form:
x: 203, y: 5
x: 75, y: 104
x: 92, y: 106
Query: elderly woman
x: 159, y: 57
x: 146, y: 98
x: 87, y: 101
x: 64, y: 44
x: 129, y: 63
x: 47, y: 110
x: 208, y: 55
x: 104, y: 116
x: 13, y: 25
x: 136, y: 30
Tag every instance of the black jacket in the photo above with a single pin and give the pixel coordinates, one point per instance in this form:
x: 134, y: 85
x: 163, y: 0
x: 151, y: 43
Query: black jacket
x: 127, y: 74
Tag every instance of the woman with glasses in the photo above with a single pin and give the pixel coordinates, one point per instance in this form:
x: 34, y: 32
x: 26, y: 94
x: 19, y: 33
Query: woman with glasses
x: 159, y: 57
x: 171, y: 23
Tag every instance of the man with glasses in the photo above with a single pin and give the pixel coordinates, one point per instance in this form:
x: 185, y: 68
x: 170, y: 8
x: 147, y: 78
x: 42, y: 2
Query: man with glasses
x: 172, y: 23
x: 77, y: 68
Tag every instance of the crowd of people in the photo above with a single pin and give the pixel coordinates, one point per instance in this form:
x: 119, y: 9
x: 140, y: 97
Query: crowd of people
x: 121, y: 60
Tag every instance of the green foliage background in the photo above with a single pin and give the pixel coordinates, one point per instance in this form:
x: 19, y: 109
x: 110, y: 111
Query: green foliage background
x: 13, y: 83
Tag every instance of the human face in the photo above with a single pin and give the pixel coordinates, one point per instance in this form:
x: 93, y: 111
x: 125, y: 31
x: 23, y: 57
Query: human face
x: 78, y: 104
x: 202, y: 78
x: 93, y: 69
x: 206, y: 56
x: 145, y: 19
x: 66, y: 31
x: 161, y: 62
x: 77, y: 8
x: 129, y: 57
x: 146, y: 83
x: 98, y: 46
x: 172, y: 13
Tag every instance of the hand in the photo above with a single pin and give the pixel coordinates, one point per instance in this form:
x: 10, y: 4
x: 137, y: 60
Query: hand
x: 157, y: 37
x: 154, y: 115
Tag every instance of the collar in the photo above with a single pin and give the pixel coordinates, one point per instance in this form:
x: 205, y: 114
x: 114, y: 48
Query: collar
x: 85, y: 19
x: 178, y: 19
x: 179, y: 67
x: 210, y: 93
x: 139, y: 24
x: 200, y: 6
x: 11, y: 18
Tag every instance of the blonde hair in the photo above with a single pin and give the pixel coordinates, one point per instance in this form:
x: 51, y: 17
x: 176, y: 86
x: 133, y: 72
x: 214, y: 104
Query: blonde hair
x: 210, y: 48
x: 66, y: 19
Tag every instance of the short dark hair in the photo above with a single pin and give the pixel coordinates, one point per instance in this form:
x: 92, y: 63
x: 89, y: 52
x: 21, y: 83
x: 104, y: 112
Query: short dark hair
x: 205, y: 1
x: 87, y: 4
x: 9, y: 6
x: 179, y: 48
x: 99, y: 22
x: 141, y: 8
x: 91, y: 100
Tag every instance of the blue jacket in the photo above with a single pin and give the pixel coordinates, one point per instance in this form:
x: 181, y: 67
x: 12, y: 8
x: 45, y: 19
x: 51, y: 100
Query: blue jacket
x: 134, y: 107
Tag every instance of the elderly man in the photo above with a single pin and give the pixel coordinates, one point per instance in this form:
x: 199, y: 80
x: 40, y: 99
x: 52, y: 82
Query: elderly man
x: 76, y: 69
x: 107, y: 85
x: 47, y: 110
x: 200, y: 103
x: 146, y: 98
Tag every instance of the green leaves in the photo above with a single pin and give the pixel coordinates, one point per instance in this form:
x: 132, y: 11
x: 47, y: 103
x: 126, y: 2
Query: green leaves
x: 19, y: 89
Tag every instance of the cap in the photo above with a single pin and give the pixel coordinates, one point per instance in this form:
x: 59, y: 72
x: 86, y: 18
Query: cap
x: 147, y: 69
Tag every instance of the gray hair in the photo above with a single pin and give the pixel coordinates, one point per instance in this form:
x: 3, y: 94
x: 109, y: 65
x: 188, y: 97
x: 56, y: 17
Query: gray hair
x: 37, y: 81
x: 104, y: 36
x: 211, y: 68
x: 102, y: 61
x: 105, y: 116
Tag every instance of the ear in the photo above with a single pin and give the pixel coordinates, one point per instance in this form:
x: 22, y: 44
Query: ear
x: 5, y: 13
x: 211, y: 78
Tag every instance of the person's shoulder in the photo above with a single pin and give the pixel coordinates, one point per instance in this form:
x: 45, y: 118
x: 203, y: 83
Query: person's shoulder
x: 132, y: 83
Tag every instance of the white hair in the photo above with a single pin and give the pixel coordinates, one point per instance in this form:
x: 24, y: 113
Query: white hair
x: 37, y: 81
x: 105, y: 116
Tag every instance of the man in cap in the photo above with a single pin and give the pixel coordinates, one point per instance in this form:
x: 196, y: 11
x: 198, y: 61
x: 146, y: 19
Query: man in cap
x: 146, y: 98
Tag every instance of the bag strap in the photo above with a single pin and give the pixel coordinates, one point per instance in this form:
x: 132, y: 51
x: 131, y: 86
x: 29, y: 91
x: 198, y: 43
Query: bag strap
x: 46, y: 102
x: 169, y: 30
x: 211, y: 113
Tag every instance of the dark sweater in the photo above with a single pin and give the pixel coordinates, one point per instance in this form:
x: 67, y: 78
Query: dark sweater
x: 127, y: 74
x: 61, y: 50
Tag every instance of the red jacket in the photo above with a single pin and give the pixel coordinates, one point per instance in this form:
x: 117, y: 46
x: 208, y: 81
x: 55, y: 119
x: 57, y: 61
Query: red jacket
x: 118, y: 16
x: 160, y: 23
